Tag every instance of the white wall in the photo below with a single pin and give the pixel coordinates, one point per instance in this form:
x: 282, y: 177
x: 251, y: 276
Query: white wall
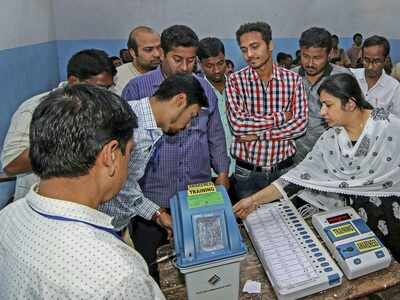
x: 26, y: 22
x: 104, y: 19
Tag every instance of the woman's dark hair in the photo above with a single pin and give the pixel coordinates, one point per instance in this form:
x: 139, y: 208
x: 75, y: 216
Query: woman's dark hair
x: 344, y: 86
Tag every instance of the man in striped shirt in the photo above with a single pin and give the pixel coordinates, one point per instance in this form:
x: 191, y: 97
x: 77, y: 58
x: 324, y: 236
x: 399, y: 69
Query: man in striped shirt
x: 267, y: 109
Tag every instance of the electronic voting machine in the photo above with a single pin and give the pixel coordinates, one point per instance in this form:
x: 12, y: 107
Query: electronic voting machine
x: 208, y: 243
x: 354, y: 246
x: 296, y: 263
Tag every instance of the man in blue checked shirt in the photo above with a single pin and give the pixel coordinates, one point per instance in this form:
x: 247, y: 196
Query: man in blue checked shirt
x: 187, y: 157
x: 177, y: 101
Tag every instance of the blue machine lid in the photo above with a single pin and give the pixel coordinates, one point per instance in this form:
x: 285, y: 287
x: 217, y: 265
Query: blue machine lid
x: 205, y: 228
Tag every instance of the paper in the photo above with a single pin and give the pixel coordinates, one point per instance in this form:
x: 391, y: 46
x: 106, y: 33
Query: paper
x: 201, y: 188
x: 252, y: 287
x: 213, y: 198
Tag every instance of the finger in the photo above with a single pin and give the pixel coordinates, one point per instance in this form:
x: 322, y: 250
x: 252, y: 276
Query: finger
x: 170, y: 235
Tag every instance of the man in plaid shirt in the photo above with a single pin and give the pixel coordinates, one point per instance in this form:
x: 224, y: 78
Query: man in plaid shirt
x: 267, y: 109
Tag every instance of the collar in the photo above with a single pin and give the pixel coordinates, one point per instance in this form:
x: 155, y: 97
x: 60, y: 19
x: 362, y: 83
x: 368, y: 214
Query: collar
x: 361, y: 75
x: 157, y: 77
x: 150, y: 122
x: 66, y: 209
x: 328, y: 70
x: 133, y: 69
x: 217, y: 92
x: 253, y: 75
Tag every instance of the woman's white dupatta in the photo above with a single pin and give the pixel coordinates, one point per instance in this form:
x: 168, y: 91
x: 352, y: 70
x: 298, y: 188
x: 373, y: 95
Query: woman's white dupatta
x: 369, y: 168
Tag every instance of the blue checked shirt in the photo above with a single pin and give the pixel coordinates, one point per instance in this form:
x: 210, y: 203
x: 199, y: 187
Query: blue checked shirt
x: 188, y: 156
x: 130, y: 201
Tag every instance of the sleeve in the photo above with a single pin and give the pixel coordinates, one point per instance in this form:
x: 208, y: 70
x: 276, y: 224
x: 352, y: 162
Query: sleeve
x: 243, y: 122
x: 132, y: 193
x: 130, y: 201
x: 131, y: 91
x: 395, y: 103
x: 297, y: 125
x: 216, y: 137
x: 286, y: 188
x: 17, y: 138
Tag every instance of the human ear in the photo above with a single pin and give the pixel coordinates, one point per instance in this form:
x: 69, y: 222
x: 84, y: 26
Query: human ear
x: 132, y: 53
x: 109, y: 156
x: 181, y: 100
x: 271, y: 46
x: 72, y: 79
x: 351, y: 104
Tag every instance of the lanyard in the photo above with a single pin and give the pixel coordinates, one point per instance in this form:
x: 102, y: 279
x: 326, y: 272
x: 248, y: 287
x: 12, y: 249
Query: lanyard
x: 155, y: 157
x: 59, y: 218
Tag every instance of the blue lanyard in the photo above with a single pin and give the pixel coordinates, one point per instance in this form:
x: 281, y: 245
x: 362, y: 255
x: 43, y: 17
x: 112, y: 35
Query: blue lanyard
x: 59, y: 218
x: 155, y: 157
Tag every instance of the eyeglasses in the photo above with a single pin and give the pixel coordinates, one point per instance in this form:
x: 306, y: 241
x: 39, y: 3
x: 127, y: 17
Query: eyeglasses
x: 376, y: 61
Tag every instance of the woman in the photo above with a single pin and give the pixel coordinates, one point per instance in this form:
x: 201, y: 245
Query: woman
x: 357, y: 159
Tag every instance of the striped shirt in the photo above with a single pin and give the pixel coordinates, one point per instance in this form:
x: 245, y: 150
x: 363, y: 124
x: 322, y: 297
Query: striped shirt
x: 188, y: 156
x: 257, y: 107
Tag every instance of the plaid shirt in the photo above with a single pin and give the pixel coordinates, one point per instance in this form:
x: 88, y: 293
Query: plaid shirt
x: 188, y: 156
x: 130, y: 201
x: 255, y: 107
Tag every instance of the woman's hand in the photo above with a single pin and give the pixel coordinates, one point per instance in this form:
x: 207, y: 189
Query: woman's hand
x: 244, y: 207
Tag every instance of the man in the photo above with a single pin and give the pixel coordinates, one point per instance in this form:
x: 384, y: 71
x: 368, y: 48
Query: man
x: 380, y: 89
x: 211, y: 54
x: 230, y: 67
x: 144, y: 47
x: 184, y: 158
x: 315, y: 45
x: 91, y: 66
x: 125, y: 56
x: 54, y: 243
x: 177, y: 101
x: 267, y: 110
x: 354, y: 53
x: 116, y: 61
x: 284, y: 60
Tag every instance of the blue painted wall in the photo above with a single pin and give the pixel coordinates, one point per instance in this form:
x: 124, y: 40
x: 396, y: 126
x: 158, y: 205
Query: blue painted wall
x: 66, y: 48
x: 25, y: 71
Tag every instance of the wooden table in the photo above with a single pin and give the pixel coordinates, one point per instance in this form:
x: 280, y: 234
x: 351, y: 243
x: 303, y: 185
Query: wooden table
x: 172, y: 283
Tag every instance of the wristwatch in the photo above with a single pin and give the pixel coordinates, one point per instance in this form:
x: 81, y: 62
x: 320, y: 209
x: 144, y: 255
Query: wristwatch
x: 158, y: 213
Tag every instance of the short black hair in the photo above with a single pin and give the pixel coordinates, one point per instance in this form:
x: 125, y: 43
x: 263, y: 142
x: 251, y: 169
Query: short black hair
x: 178, y: 36
x: 90, y: 62
x: 182, y: 83
x: 70, y: 127
x: 316, y: 37
x: 263, y: 28
x: 210, y: 47
x: 281, y: 56
x: 357, y: 35
x: 132, y: 43
x: 334, y: 36
x: 228, y: 61
x: 344, y: 86
x: 121, y: 51
x: 377, y: 40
